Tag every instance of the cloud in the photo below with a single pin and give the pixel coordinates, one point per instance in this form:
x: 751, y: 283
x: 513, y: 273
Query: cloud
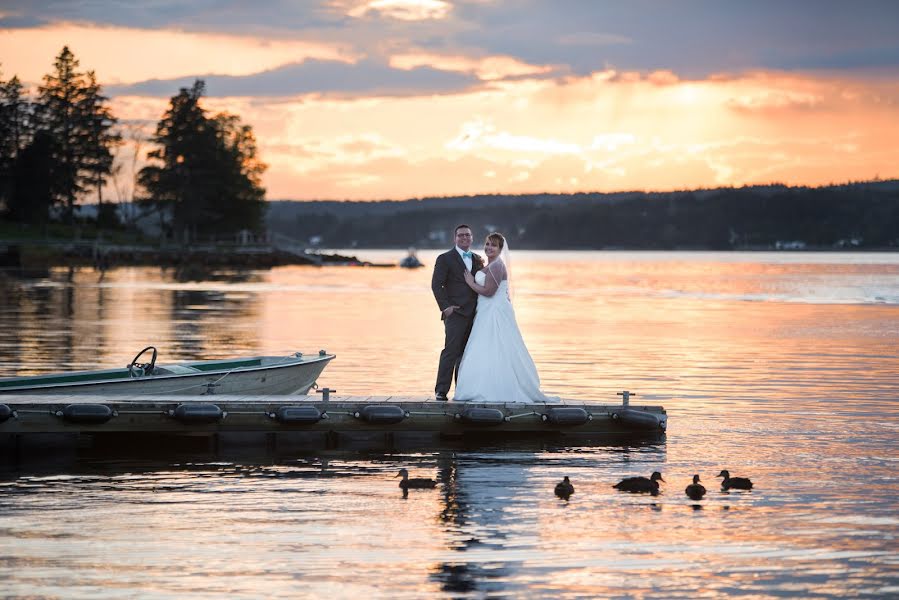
x: 775, y: 100
x: 601, y: 133
x: 594, y: 133
x: 11, y: 22
x: 404, y: 10
x: 692, y: 40
x: 611, y: 142
x: 199, y: 16
x: 309, y: 154
x: 403, y: 99
x: 315, y: 77
x: 485, y: 68
x: 481, y: 134
x: 125, y: 56
x: 591, y: 38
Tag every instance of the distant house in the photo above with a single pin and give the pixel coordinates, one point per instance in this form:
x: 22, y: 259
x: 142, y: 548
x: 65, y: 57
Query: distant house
x: 792, y: 245
x: 437, y: 236
x: 245, y: 237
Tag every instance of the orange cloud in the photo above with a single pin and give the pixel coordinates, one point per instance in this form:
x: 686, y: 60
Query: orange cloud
x: 603, y: 132
x: 403, y: 10
x: 488, y: 68
x: 125, y: 55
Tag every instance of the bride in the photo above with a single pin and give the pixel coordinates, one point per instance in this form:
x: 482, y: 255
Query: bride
x: 496, y: 365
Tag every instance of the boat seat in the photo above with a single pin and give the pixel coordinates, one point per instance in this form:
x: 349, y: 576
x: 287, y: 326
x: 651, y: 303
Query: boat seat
x: 174, y: 370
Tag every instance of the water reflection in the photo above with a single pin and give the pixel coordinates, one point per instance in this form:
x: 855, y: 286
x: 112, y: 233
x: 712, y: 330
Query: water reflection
x: 779, y: 368
x: 492, y: 501
x: 493, y: 526
x: 711, y: 331
x: 474, y: 505
x: 87, y: 319
x: 202, y: 273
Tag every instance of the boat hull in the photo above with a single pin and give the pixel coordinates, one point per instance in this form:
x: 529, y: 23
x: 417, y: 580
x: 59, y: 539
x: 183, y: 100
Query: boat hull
x: 295, y: 375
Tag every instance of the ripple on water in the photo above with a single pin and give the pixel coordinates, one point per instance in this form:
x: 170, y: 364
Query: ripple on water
x: 782, y: 369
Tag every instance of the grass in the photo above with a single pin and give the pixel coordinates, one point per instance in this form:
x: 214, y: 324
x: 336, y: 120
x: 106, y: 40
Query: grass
x: 60, y: 232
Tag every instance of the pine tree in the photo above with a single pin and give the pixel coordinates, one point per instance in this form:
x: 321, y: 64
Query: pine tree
x: 242, y: 197
x: 206, y: 174
x: 99, y: 138
x: 15, y: 112
x: 15, y: 134
x: 34, y: 175
x: 75, y: 114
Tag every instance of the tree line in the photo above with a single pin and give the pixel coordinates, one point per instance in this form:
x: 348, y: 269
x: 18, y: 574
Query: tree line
x: 856, y: 216
x: 60, y: 148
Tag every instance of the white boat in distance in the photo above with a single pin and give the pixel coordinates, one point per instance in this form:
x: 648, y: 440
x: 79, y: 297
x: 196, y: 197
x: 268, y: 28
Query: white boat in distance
x: 280, y: 375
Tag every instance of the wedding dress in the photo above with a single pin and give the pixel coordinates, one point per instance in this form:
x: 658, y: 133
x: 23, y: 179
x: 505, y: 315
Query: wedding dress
x: 496, y: 365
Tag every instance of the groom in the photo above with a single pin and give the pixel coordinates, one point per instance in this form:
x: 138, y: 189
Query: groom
x: 457, y: 302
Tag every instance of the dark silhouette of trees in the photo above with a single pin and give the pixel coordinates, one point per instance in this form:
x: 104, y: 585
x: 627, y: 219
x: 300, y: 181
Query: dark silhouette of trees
x: 34, y: 175
x: 205, y: 176
x: 242, y: 197
x: 72, y: 110
x: 863, y: 215
x: 205, y: 172
x: 15, y: 129
x: 100, y: 138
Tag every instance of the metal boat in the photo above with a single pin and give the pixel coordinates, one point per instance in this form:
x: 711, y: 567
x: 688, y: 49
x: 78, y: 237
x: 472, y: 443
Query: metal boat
x: 293, y: 374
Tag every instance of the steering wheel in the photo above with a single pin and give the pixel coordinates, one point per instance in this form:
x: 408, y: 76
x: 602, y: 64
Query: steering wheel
x: 147, y: 367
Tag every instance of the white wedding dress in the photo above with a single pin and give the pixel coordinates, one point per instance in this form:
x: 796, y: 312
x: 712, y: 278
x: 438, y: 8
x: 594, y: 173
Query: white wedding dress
x: 496, y: 365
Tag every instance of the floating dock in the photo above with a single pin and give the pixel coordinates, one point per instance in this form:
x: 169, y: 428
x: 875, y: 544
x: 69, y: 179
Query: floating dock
x: 327, y: 420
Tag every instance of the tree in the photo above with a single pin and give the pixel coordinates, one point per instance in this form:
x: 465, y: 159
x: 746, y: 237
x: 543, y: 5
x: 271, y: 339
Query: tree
x: 242, y: 197
x: 15, y: 123
x: 172, y: 185
x: 101, y: 137
x: 205, y: 172
x: 74, y: 112
x: 99, y: 140
x: 33, y: 172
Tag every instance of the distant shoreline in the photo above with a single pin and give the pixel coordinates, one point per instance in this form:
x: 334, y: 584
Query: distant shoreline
x: 38, y: 254
x: 32, y: 255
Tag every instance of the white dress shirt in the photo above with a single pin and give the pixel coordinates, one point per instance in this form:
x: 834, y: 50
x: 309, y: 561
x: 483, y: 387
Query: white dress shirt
x: 467, y: 260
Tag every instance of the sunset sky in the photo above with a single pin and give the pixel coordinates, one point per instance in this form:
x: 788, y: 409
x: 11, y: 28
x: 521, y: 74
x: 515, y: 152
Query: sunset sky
x: 393, y: 99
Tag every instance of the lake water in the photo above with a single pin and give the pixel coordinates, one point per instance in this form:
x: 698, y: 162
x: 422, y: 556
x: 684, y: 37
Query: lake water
x: 780, y: 367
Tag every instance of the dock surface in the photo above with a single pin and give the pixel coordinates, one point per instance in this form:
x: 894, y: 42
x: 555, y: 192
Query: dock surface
x: 313, y: 420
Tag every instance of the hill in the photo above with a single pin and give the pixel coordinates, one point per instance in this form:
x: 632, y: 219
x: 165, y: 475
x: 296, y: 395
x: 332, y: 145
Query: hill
x: 861, y: 215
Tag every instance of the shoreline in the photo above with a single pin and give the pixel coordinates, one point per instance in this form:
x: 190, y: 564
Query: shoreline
x: 37, y: 255
x: 40, y: 255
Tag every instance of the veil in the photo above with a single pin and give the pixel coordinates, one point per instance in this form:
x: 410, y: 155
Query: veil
x: 506, y: 257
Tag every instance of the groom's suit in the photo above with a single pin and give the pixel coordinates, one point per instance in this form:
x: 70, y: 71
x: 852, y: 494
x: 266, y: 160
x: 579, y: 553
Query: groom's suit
x: 450, y: 289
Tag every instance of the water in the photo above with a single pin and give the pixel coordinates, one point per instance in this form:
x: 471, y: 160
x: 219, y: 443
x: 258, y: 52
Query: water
x: 781, y: 367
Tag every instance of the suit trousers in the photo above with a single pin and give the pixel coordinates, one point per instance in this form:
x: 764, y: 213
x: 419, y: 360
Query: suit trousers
x: 457, y: 329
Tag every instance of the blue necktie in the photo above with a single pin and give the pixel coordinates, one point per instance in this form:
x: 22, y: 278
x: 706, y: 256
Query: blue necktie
x: 466, y: 254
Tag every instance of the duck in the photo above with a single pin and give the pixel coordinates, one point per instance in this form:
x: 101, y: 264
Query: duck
x: 695, y: 491
x: 564, y: 488
x: 734, y: 483
x: 640, y: 484
x: 418, y: 483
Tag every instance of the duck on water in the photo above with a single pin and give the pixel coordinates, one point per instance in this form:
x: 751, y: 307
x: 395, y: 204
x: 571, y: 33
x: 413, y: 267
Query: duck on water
x: 734, y: 483
x: 695, y: 491
x: 640, y: 484
x: 416, y: 483
x: 564, y: 488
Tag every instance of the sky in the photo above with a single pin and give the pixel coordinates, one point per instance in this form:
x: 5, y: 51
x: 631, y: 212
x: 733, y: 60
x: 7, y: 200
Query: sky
x: 396, y: 99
